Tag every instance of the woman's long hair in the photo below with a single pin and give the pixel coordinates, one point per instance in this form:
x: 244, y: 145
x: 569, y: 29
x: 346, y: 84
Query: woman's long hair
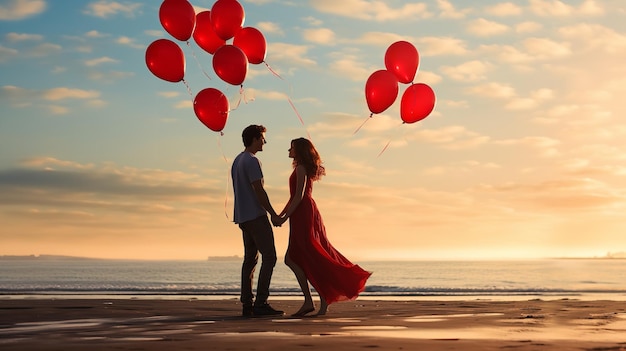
x: 307, y: 156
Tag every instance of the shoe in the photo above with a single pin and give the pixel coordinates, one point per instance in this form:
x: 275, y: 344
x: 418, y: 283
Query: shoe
x: 266, y: 310
x: 247, y: 311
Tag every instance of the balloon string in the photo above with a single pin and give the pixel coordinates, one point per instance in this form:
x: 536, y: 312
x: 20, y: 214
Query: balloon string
x: 289, y: 98
x: 385, y: 148
x: 219, y: 144
x: 271, y: 70
x: 388, y: 143
x: 188, y: 89
x: 299, y: 117
x: 193, y: 53
x: 238, y: 99
x: 362, y: 124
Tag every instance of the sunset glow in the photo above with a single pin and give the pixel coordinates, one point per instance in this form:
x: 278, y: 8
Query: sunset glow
x: 522, y: 157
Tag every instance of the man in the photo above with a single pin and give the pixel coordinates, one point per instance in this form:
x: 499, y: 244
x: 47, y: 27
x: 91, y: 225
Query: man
x: 251, y: 207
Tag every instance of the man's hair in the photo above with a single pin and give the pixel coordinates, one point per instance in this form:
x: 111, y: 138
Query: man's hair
x: 252, y: 132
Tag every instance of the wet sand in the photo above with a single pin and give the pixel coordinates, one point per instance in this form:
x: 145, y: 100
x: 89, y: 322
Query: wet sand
x: 196, y: 324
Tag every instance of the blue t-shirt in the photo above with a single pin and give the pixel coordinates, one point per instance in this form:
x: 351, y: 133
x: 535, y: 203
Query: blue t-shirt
x: 245, y: 170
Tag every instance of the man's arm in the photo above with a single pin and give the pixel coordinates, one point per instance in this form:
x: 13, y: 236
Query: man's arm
x: 264, y: 200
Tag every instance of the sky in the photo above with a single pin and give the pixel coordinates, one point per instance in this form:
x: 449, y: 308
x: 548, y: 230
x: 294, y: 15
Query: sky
x: 522, y: 156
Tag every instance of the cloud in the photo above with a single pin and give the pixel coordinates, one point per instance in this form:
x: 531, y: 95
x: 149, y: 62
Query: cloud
x: 110, y: 75
x: 507, y: 54
x: 556, y: 8
x: 99, y: 61
x: 323, y: 36
x: 58, y: 110
x: 543, y: 48
x: 451, y: 137
x: 504, y: 9
x: 95, y: 34
x: 289, y: 53
x: 63, y: 93
x: 469, y: 71
x: 493, y: 90
x: 594, y: 37
x: 350, y: 66
x: 543, y: 94
x: 528, y: 27
x: 7, y: 53
x: 484, y: 28
x: 591, y: 7
x: 343, y: 126
x: 12, y: 91
x: 184, y: 104
x: 550, y: 8
x: 15, y: 10
x: 105, y: 9
x: 313, y: 21
x: 382, y: 39
x: 266, y: 94
x: 89, y: 178
x: 20, y: 97
x: 50, y: 192
x: 126, y: 41
x: 154, y: 32
x: 270, y: 28
x: 545, y: 146
x: 441, y: 46
x: 169, y: 94
x: 566, y: 194
x: 49, y: 162
x: 427, y: 77
x: 465, y: 167
x: 447, y: 10
x: 44, y: 50
x: 23, y: 37
x: 371, y: 10
x: 520, y: 103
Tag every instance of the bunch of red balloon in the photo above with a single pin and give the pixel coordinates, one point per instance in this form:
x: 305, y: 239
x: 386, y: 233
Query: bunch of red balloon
x: 210, y: 30
x: 381, y: 88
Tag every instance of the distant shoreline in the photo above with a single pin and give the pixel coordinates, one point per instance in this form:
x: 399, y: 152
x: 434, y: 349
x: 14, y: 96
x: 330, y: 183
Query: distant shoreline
x: 235, y: 257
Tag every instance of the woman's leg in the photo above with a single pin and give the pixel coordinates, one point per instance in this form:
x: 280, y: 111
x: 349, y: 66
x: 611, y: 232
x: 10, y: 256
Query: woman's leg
x: 323, y: 307
x: 308, y: 305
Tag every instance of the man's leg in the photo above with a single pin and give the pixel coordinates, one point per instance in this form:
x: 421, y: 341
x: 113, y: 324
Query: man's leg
x: 264, y: 238
x: 249, y: 263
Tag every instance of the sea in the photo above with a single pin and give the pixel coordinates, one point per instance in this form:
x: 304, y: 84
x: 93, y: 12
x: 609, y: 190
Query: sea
x: 220, y: 278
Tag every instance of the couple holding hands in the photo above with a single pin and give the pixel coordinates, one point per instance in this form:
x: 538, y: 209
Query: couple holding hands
x: 310, y: 255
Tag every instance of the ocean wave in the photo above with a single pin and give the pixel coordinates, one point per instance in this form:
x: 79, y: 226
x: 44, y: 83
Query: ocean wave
x: 375, y: 290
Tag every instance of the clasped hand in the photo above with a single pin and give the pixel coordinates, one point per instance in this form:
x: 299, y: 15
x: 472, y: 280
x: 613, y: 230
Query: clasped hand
x: 277, y: 221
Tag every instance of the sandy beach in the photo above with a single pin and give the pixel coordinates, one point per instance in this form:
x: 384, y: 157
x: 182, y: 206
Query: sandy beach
x: 197, y: 324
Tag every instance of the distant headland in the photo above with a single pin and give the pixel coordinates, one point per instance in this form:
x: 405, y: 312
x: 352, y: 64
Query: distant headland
x: 225, y: 258
x: 43, y: 257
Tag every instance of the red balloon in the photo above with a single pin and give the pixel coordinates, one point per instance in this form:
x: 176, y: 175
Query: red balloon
x: 178, y: 18
x: 402, y: 60
x: 231, y: 64
x: 227, y: 17
x: 418, y: 101
x: 211, y: 108
x: 166, y: 60
x: 205, y: 35
x: 253, y: 44
x: 381, y: 90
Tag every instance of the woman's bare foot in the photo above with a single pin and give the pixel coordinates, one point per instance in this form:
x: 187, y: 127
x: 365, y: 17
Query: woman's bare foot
x: 323, y: 308
x: 304, y: 310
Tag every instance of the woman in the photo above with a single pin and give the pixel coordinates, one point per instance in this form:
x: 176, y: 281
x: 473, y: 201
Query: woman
x: 310, y: 255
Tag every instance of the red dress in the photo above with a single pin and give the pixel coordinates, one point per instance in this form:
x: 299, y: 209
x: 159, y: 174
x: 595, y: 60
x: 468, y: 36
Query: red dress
x: 332, y: 275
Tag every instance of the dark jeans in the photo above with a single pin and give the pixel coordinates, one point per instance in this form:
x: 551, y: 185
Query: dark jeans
x: 258, y: 237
